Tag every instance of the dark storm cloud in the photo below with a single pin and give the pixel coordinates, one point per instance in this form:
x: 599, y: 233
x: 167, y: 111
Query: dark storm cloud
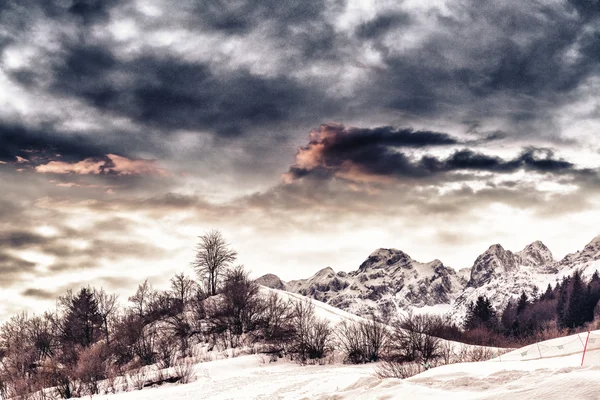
x: 381, y: 161
x: 356, y: 153
x: 18, y: 14
x: 244, y: 16
x: 156, y: 89
x: 174, y: 94
x: 13, y: 269
x: 91, y: 11
x: 513, y: 60
x: 45, y: 141
x: 382, y: 24
x: 20, y: 239
x: 40, y: 294
x: 588, y: 9
x: 518, y: 61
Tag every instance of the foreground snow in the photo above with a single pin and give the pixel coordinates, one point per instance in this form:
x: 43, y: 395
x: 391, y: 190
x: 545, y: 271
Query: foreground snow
x: 250, y: 377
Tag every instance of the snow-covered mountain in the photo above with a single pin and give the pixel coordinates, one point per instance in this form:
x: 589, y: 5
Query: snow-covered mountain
x: 387, y: 279
x: 586, y: 260
x: 502, y: 275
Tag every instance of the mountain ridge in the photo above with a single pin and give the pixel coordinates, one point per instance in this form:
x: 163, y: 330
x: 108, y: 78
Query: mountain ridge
x: 389, y: 279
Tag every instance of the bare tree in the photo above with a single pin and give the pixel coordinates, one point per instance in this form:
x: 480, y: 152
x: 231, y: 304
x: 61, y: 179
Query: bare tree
x: 142, y: 298
x: 312, y: 338
x: 276, y: 326
x: 107, y: 306
x: 412, y: 339
x: 183, y: 290
x: 213, y: 256
x: 362, y: 341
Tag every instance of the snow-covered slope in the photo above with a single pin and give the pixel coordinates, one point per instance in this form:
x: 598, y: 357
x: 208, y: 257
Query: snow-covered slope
x: 253, y: 377
x: 324, y: 311
x: 387, y: 279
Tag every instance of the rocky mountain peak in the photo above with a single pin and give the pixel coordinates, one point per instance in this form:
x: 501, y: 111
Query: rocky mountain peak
x: 327, y: 272
x: 385, y: 258
x: 536, y: 254
x: 272, y: 281
x: 593, y: 248
x: 495, y: 260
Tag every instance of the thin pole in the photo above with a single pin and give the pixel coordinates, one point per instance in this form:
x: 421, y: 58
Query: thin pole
x: 585, y: 347
x: 539, y: 351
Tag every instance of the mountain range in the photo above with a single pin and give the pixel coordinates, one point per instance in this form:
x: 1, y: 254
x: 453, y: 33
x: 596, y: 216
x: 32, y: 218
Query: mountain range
x: 390, y: 280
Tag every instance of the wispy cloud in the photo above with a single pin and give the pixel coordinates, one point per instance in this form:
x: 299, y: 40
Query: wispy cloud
x: 111, y: 164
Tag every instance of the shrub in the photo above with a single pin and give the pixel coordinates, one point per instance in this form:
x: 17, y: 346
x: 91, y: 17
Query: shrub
x: 362, y: 341
x: 397, y: 369
x: 185, y: 371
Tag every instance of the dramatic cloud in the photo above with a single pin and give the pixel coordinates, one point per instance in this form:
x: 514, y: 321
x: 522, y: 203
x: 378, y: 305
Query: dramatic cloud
x: 377, y: 154
x: 127, y: 128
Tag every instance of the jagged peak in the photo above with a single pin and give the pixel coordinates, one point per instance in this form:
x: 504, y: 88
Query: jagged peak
x: 387, y: 256
x: 536, y: 254
x: 324, y: 272
x: 595, y: 242
x: 385, y: 252
x: 537, y: 245
x: 495, y: 248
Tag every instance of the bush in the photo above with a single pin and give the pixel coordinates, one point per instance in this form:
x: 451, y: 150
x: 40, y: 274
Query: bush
x: 362, y: 342
x: 397, y: 369
x: 185, y: 371
x: 91, y: 368
x: 312, y: 338
x: 412, y: 340
x: 275, y: 326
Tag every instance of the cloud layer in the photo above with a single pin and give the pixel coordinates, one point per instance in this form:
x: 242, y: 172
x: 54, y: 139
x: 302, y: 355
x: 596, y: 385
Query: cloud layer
x: 129, y: 127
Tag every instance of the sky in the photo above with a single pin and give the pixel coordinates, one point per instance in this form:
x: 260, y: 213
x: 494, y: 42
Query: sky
x: 309, y: 133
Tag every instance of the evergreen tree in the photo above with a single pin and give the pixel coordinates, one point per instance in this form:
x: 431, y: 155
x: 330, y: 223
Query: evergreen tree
x: 83, y: 322
x: 561, y: 304
x: 548, y: 294
x: 576, y: 309
x: 480, y: 314
x: 522, y: 304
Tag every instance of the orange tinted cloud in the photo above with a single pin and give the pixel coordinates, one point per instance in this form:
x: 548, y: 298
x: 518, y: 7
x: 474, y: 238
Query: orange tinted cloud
x: 110, y: 164
x: 314, y: 155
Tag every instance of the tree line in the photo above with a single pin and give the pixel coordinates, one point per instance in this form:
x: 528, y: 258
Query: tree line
x: 571, y: 305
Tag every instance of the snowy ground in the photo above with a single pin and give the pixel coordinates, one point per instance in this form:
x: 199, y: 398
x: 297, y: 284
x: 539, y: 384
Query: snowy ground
x: 248, y: 377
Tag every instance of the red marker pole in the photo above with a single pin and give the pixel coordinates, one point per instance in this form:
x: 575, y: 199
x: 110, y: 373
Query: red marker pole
x: 585, y: 347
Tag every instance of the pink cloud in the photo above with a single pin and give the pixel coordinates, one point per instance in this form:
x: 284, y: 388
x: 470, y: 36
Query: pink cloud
x: 21, y: 160
x: 315, y: 155
x: 109, y: 164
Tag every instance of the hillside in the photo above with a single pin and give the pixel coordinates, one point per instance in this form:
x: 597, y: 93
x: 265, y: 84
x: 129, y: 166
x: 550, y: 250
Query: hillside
x: 250, y: 377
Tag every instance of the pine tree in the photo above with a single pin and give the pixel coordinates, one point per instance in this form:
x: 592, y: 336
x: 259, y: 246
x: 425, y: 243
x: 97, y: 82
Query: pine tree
x: 548, y: 294
x: 561, y: 304
x: 522, y: 304
x: 83, y: 322
x: 481, y: 313
x: 576, y: 309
